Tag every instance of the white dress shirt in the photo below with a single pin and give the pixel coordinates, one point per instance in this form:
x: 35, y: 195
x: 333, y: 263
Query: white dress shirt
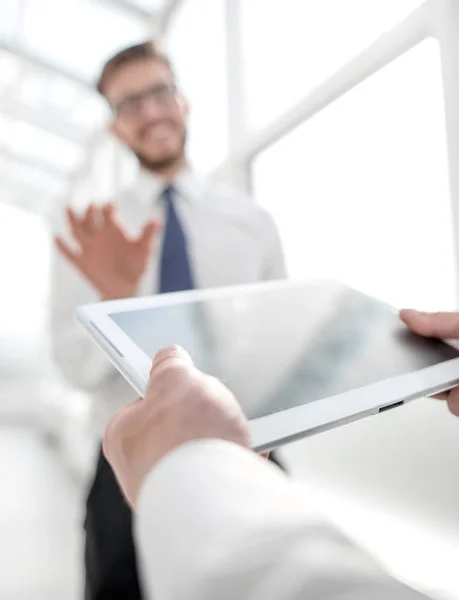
x: 216, y: 522
x: 231, y: 240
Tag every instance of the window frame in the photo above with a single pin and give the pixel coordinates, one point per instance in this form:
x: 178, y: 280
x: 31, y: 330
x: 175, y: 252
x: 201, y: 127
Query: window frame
x: 437, y: 19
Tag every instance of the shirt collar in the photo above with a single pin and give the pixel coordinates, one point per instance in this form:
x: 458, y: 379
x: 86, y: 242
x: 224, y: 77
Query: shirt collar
x: 188, y: 186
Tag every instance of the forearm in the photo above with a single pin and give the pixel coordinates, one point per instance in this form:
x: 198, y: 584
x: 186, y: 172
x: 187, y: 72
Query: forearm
x: 216, y: 522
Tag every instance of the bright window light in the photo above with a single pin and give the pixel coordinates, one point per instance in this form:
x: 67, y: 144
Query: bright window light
x: 196, y: 43
x: 9, y: 68
x: 6, y: 130
x: 33, y: 89
x: 9, y: 19
x: 89, y: 112
x: 360, y: 192
x: 22, y: 313
x: 290, y: 46
x: 22, y: 175
x: 78, y: 35
x: 150, y: 5
x: 63, y: 94
x: 33, y: 142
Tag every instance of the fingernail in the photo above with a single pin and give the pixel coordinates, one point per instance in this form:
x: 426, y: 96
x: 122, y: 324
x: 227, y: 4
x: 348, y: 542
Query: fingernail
x: 410, y: 312
x: 171, y: 351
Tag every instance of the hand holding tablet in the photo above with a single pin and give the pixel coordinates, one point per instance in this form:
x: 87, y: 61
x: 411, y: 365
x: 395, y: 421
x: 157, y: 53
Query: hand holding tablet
x: 300, y: 357
x: 181, y: 405
x: 436, y: 325
x: 142, y: 433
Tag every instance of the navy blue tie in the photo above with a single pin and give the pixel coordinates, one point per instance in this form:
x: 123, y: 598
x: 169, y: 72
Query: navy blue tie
x: 175, y: 269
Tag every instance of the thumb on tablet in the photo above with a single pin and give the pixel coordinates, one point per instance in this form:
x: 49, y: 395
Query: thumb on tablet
x: 443, y: 325
x: 171, y: 352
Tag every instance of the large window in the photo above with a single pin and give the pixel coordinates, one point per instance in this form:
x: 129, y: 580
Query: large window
x: 360, y: 192
x: 292, y: 45
x: 196, y: 43
x: 84, y: 32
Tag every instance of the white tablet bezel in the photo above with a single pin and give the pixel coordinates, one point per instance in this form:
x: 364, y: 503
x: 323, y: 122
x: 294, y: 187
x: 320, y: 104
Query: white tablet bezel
x: 281, y: 427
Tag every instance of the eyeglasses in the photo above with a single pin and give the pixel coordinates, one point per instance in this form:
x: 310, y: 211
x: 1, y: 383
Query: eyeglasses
x: 131, y: 106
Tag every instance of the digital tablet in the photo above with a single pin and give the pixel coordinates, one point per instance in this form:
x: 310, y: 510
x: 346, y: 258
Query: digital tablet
x: 300, y: 357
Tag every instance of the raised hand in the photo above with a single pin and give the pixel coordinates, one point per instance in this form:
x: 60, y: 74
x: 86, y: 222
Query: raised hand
x: 111, y: 260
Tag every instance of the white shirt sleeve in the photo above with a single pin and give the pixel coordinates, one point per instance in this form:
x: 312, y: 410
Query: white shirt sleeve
x: 216, y: 521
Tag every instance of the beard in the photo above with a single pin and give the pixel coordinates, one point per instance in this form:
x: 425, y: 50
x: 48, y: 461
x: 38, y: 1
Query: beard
x: 162, y: 163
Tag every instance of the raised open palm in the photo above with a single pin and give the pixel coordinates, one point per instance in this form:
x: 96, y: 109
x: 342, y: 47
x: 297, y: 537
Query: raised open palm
x: 111, y: 260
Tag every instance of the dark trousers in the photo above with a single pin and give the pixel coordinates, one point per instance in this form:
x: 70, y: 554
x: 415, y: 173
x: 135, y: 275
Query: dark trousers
x: 110, y: 558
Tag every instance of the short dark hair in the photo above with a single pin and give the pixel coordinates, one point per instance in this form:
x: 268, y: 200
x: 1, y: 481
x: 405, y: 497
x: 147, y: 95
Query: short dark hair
x: 145, y: 51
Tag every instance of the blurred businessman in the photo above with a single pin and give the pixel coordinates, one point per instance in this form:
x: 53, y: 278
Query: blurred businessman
x: 170, y: 232
x: 241, y: 530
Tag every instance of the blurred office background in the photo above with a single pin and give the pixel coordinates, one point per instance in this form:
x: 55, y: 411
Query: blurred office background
x: 342, y: 118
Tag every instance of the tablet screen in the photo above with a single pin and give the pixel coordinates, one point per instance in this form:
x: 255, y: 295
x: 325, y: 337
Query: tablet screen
x: 281, y: 347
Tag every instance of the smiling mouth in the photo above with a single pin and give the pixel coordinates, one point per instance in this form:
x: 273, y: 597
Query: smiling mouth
x: 157, y: 133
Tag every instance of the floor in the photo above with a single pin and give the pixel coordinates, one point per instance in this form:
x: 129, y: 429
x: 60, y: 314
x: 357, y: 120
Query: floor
x: 40, y: 521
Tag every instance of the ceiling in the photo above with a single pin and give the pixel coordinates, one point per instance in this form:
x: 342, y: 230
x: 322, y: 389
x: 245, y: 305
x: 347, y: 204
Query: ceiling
x: 50, y: 54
